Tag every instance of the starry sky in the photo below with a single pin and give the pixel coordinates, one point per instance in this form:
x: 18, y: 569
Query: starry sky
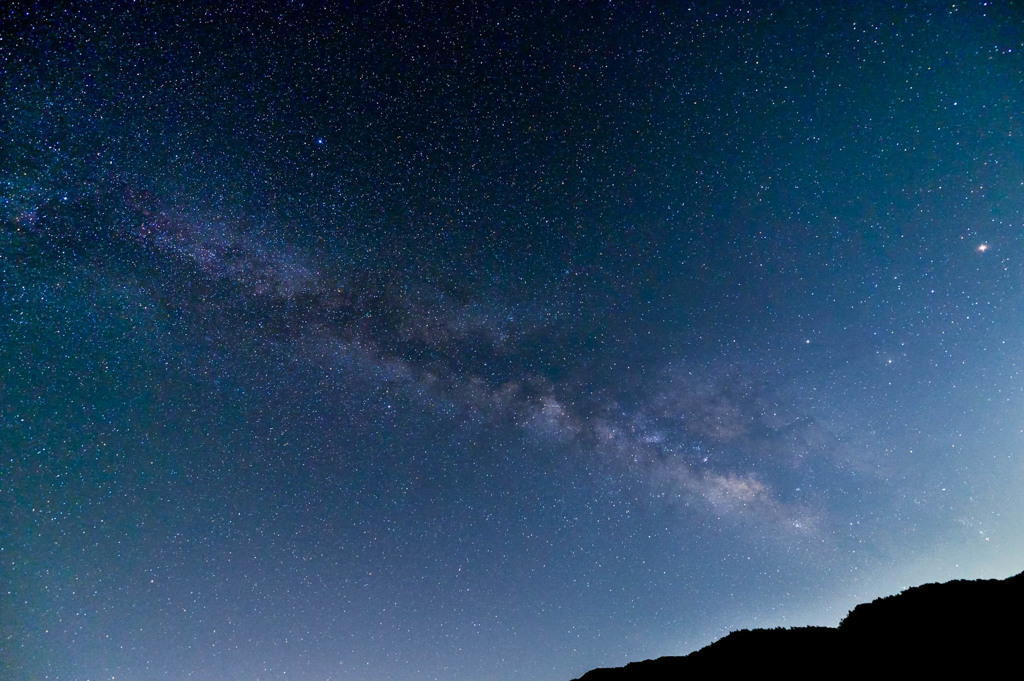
x: 487, y: 341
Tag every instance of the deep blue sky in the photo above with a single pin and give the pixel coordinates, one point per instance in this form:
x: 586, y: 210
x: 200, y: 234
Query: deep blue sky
x: 396, y: 341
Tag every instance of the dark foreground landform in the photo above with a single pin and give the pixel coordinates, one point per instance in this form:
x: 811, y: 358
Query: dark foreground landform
x: 958, y: 627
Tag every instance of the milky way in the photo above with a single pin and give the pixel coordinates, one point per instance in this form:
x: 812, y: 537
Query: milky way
x: 394, y: 343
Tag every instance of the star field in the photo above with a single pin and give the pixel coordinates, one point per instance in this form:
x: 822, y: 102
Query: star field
x: 386, y: 341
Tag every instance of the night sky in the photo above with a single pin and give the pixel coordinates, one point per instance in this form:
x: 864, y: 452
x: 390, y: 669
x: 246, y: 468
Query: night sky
x: 497, y: 341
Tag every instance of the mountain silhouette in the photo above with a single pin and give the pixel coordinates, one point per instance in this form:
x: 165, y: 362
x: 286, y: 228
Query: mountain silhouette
x: 956, y: 628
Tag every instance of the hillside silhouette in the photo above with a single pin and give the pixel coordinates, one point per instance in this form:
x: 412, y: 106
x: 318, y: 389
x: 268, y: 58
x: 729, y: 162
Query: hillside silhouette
x: 957, y: 627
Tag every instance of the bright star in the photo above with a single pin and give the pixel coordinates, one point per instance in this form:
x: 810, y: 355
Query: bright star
x: 982, y: 248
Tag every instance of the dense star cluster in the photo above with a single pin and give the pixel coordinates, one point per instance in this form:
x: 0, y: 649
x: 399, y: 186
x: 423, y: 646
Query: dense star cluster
x: 497, y: 340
